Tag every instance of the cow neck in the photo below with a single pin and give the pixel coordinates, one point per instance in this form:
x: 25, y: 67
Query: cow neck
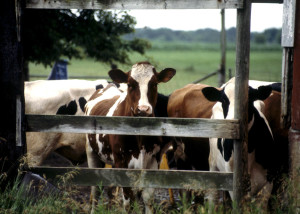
x: 123, y: 108
x: 261, y: 141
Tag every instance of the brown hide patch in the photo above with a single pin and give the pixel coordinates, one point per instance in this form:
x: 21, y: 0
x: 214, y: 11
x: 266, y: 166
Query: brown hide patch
x: 102, y: 108
x: 195, y: 105
x: 152, y: 91
x: 189, y: 102
x: 273, y: 113
x: 96, y: 94
x: 106, y: 149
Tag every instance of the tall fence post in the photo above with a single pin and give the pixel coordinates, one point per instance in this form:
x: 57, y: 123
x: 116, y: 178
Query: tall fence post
x: 240, y: 175
x: 294, y: 132
x: 12, y: 113
x: 222, y: 75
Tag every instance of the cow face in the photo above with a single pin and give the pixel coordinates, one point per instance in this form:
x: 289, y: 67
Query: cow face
x: 225, y: 109
x: 142, y: 81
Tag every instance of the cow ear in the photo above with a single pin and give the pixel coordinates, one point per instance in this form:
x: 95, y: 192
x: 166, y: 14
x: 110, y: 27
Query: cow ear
x: 212, y: 94
x: 264, y: 92
x: 118, y: 76
x: 166, y: 74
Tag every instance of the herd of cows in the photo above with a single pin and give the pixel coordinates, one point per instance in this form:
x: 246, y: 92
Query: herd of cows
x: 135, y: 93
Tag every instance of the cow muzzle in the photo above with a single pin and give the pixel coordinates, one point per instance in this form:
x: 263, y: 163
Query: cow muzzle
x: 143, y: 111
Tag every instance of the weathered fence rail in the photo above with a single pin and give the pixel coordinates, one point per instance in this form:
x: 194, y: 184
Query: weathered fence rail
x: 177, y: 127
x: 141, y: 178
x: 134, y: 4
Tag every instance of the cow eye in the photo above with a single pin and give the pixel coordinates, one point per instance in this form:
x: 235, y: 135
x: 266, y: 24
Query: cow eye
x: 154, y: 85
x: 131, y: 86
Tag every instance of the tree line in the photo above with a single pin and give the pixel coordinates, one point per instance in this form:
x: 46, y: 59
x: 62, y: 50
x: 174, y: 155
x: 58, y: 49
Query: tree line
x: 106, y: 36
x: 268, y: 36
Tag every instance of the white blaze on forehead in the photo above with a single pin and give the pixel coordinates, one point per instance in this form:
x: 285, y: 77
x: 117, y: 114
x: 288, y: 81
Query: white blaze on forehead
x: 142, y: 73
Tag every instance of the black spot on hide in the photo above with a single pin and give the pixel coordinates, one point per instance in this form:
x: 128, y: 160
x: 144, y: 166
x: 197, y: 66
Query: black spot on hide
x: 99, y: 86
x: 220, y: 146
x: 228, y: 149
x: 261, y: 140
x: 276, y: 86
x: 160, y: 109
x: 69, y: 109
x: 225, y: 103
x: 82, y: 102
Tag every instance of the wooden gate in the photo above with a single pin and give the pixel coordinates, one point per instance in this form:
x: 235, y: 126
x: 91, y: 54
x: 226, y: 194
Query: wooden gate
x: 231, y: 129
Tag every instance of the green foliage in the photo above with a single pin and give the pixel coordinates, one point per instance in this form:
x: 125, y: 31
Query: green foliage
x: 18, y: 200
x: 260, y: 38
x: 50, y: 34
x: 271, y: 36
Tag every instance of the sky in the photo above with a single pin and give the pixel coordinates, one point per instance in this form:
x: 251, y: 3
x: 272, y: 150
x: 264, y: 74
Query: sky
x: 263, y: 16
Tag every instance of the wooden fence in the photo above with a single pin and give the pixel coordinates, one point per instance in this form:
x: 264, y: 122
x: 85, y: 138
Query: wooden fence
x: 178, y: 127
x: 235, y: 129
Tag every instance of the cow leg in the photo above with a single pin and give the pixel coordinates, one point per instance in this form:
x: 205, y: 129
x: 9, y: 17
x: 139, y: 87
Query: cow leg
x: 39, y: 146
x: 148, y: 193
x: 93, y: 162
x: 212, y: 193
x: 263, y: 196
x: 128, y: 198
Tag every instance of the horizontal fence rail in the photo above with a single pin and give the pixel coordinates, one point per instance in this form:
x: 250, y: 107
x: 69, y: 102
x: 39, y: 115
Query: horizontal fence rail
x: 141, y: 178
x: 134, y: 4
x: 148, y: 126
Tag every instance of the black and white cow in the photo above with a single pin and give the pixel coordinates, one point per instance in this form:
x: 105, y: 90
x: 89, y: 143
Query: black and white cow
x: 261, y: 145
x: 51, y: 97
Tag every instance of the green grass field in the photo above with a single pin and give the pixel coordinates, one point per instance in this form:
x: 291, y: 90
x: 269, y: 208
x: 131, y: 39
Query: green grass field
x: 191, y: 63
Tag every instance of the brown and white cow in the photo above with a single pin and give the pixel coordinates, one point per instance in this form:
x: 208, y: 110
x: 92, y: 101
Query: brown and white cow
x: 121, y: 151
x: 51, y: 97
x: 262, y: 163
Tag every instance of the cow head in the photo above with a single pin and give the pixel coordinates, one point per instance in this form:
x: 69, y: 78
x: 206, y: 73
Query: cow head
x: 142, y: 81
x: 226, y: 99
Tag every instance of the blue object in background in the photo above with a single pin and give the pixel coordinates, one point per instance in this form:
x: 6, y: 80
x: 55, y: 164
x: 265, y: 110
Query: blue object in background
x: 59, y: 70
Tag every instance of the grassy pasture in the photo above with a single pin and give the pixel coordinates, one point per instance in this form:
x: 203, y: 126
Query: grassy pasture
x: 192, y: 61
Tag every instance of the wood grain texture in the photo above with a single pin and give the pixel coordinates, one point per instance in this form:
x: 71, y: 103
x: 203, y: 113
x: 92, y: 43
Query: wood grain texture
x: 140, y: 178
x: 134, y: 4
x: 241, y: 103
x: 178, y: 127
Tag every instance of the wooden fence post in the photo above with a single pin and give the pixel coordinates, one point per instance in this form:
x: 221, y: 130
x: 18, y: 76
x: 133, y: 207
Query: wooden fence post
x: 240, y: 175
x: 222, y: 73
x: 12, y: 131
x: 294, y: 133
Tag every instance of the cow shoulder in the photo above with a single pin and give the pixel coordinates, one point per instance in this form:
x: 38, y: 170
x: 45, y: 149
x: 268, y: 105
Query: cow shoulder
x: 175, y: 102
x: 102, y: 108
x: 195, y: 104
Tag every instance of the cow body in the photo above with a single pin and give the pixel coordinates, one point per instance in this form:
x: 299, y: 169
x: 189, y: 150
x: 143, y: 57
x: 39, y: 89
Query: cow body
x: 261, y: 146
x: 51, y: 97
x: 189, y: 102
x: 123, y: 151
